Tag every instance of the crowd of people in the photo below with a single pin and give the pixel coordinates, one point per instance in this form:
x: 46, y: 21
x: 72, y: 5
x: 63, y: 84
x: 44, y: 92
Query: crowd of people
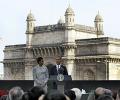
x: 38, y: 93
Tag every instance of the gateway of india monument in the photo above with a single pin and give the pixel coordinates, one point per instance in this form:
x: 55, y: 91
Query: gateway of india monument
x: 87, y: 54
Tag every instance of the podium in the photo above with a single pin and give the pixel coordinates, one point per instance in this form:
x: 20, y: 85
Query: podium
x: 59, y: 83
x: 54, y: 77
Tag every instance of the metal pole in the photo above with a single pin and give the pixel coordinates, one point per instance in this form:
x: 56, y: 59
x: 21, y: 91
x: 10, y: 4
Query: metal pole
x: 107, y: 70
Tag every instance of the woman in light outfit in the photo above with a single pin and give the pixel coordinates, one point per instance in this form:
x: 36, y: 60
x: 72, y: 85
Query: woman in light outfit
x: 40, y: 74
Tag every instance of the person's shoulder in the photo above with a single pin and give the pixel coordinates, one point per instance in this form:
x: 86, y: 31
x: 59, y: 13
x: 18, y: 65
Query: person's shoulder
x: 34, y: 67
x: 45, y: 67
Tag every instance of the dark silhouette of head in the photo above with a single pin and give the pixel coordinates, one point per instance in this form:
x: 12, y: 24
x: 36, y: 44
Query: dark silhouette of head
x: 28, y: 96
x: 70, y: 94
x: 37, y: 92
x: 105, y: 97
x: 118, y: 95
x: 54, y: 95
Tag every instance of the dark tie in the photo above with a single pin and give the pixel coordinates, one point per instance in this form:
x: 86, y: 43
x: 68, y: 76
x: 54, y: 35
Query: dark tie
x: 58, y: 67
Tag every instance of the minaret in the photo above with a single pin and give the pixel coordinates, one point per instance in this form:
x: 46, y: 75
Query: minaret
x: 69, y: 25
x: 98, y: 25
x: 28, y: 52
x: 69, y: 18
x: 30, y: 28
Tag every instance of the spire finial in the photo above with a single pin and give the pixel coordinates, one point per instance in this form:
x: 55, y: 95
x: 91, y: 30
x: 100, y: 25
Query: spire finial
x: 69, y: 3
x: 30, y: 11
x: 98, y: 12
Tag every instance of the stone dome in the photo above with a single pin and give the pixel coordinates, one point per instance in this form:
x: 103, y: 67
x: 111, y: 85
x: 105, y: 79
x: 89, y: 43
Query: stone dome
x: 98, y: 17
x: 61, y: 20
x: 69, y: 10
x: 30, y: 17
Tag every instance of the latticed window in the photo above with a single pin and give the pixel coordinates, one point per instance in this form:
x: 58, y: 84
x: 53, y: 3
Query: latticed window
x: 89, y: 75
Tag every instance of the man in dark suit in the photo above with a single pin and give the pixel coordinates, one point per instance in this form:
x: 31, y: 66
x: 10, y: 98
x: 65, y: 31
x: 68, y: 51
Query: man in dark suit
x: 58, y: 68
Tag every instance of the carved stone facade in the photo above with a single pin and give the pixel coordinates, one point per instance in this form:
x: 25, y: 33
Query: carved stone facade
x: 85, y: 52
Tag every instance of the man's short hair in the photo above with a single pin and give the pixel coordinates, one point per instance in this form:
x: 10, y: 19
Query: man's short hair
x: 39, y: 59
x: 58, y: 57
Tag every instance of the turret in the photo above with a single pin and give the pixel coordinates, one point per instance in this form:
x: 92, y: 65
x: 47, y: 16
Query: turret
x: 69, y: 18
x: 69, y: 44
x: 30, y: 29
x: 30, y: 23
x: 98, y: 25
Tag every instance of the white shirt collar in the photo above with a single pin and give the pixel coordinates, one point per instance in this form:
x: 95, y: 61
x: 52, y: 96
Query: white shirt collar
x: 58, y: 66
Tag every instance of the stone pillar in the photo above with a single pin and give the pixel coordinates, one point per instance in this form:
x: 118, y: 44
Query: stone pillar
x: 28, y: 64
x: 69, y: 58
x: 70, y: 66
x: 28, y: 69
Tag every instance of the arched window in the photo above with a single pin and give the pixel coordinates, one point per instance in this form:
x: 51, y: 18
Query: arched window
x: 89, y: 75
x: 70, y: 19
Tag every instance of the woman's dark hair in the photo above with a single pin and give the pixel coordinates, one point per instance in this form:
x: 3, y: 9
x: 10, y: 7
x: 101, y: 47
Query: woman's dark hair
x: 39, y: 59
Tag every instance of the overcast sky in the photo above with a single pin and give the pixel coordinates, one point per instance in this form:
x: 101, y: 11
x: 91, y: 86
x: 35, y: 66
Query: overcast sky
x: 13, y: 15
